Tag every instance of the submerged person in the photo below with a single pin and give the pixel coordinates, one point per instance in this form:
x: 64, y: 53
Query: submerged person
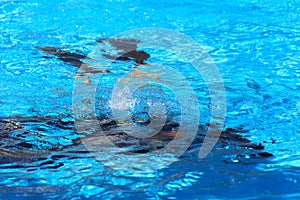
x: 124, y: 50
x: 31, y: 143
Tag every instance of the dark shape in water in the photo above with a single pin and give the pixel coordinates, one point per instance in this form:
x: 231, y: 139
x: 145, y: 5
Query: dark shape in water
x: 65, y: 56
x: 230, y: 141
x: 127, y: 47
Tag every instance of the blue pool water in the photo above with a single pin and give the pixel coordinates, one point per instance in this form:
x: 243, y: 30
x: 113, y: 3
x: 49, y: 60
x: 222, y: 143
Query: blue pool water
x: 255, y: 46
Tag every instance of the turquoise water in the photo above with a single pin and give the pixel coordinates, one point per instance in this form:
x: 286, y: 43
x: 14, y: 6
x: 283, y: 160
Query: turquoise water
x: 255, y: 45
